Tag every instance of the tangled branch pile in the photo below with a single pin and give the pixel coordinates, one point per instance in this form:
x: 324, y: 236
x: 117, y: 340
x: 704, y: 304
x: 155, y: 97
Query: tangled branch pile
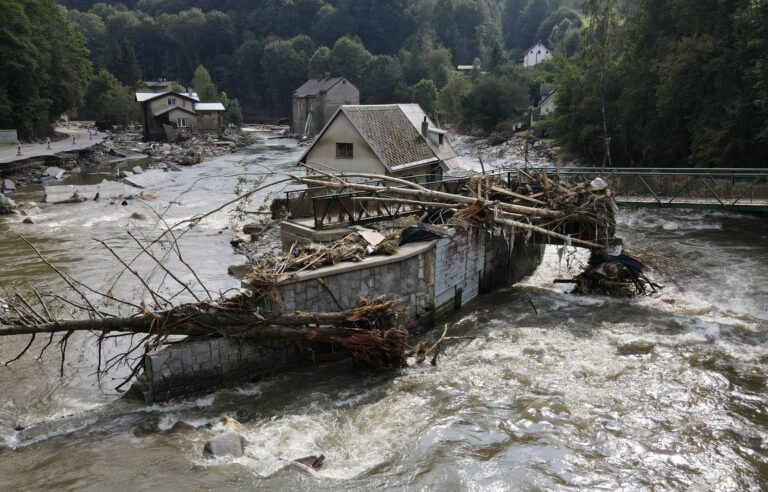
x: 264, y: 275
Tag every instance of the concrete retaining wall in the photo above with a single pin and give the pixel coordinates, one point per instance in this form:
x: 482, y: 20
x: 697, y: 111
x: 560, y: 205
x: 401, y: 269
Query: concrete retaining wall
x: 188, y: 368
x: 8, y: 137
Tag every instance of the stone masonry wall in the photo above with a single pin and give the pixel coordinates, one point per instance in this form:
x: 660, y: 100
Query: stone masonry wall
x: 410, y: 278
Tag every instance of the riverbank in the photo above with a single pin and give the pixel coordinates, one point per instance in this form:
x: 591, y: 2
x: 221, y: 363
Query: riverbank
x: 92, y: 149
x: 502, y: 153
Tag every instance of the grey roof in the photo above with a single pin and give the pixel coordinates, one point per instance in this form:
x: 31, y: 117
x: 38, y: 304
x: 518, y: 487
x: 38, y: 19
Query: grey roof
x: 209, y: 107
x: 391, y: 135
x: 316, y: 86
x: 391, y: 132
x: 151, y: 96
x: 546, y: 99
x: 171, y: 108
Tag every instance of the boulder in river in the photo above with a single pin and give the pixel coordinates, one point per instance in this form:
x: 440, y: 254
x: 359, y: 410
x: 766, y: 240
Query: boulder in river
x: 7, y: 205
x: 28, y: 220
x: 227, y: 444
x: 8, y: 186
x: 636, y: 347
x: 137, y: 170
x: 54, y: 172
x: 182, y: 428
x: 138, y: 216
x: 254, y: 228
x: 314, y: 462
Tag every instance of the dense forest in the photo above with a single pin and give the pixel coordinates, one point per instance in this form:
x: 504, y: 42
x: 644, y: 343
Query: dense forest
x: 677, y: 82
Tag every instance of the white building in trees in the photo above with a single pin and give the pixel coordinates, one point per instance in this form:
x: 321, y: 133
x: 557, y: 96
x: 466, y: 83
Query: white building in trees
x: 536, y: 54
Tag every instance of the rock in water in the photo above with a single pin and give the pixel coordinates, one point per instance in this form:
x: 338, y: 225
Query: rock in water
x: 227, y: 444
x: 137, y: 170
x: 636, y: 347
x: 230, y: 424
x: 8, y: 186
x: 28, y: 220
x: 54, y: 172
x: 315, y: 462
x: 7, y: 205
x: 138, y: 216
x: 254, y: 228
x: 182, y: 428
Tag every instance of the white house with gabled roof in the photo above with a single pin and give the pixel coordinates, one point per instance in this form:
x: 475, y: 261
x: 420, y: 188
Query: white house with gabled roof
x: 538, y: 53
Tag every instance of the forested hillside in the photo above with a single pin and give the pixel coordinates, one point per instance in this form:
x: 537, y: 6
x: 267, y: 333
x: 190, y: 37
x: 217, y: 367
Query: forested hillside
x: 669, y: 82
x: 260, y: 51
x: 640, y: 82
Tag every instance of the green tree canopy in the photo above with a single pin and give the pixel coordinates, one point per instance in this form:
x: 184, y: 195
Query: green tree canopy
x: 320, y: 62
x: 203, y: 85
x: 44, y: 69
x: 109, y: 102
x: 493, y: 100
x: 349, y: 59
x: 425, y: 95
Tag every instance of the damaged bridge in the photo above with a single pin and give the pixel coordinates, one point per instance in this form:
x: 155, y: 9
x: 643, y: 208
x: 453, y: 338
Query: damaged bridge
x: 368, y: 262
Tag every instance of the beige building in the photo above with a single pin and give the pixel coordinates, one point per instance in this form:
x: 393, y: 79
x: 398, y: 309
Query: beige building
x: 165, y: 114
x: 393, y: 139
x: 317, y: 100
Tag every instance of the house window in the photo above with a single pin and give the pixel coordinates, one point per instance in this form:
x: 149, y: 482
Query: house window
x: 171, y: 101
x: 344, y: 151
x: 539, y: 52
x: 181, y: 123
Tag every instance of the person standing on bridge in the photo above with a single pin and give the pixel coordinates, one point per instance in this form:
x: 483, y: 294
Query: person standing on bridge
x: 73, y: 139
x: 18, y: 147
x: 48, y: 143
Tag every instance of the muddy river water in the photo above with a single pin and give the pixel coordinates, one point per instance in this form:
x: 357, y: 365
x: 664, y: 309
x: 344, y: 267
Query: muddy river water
x: 664, y: 392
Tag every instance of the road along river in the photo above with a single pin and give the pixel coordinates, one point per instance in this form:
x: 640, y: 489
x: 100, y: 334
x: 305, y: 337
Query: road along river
x: 665, y: 392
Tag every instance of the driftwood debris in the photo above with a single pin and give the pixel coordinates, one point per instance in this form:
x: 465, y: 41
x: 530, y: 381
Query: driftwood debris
x: 372, y: 331
x: 577, y: 215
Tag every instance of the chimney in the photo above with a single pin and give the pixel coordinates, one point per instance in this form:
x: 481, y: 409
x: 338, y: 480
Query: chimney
x: 424, y: 127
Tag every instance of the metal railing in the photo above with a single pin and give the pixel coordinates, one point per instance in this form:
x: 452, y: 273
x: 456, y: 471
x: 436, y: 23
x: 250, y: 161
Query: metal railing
x: 338, y: 208
x: 717, y: 188
x: 729, y: 189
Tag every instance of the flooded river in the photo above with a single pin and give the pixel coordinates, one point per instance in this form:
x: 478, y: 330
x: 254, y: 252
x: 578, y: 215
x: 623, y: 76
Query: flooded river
x: 665, y: 392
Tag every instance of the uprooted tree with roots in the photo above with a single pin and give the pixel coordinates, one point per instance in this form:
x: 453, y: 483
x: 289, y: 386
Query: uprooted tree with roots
x: 374, y: 331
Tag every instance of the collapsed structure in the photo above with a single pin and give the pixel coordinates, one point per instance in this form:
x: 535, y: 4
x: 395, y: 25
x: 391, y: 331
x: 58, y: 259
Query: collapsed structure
x: 166, y: 114
x: 396, y: 255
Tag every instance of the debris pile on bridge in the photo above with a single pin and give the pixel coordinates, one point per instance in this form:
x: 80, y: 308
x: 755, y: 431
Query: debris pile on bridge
x: 582, y: 215
x: 534, y: 204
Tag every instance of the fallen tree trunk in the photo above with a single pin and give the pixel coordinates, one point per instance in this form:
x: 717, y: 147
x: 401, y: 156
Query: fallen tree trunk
x: 437, y: 195
x: 191, y: 321
x: 372, y: 331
